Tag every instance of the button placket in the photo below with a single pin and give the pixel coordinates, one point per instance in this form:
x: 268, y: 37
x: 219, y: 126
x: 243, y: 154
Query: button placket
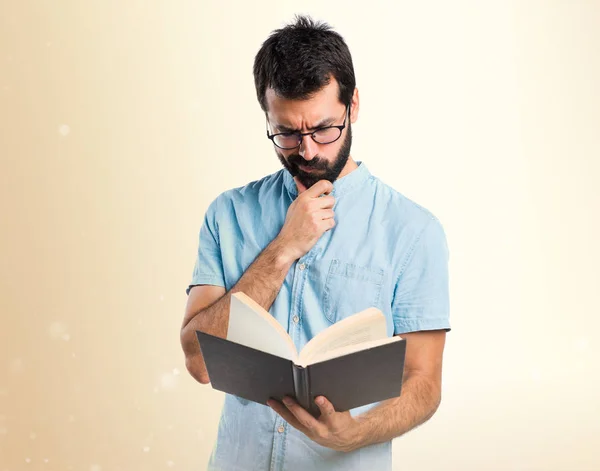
x: 300, y: 267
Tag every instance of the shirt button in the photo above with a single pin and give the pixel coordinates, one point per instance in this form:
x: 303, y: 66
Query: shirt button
x: 295, y: 319
x: 281, y: 429
x: 302, y: 266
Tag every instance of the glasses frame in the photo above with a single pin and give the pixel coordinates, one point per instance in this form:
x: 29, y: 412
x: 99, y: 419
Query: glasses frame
x: 301, y: 135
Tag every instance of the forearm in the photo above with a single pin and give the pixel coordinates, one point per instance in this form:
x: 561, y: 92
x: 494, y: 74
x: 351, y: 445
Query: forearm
x: 261, y: 281
x: 418, y: 402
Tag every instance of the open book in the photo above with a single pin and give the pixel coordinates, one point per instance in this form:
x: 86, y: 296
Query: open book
x: 353, y: 362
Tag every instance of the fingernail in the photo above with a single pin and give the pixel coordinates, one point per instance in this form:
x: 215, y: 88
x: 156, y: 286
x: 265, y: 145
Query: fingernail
x: 319, y: 400
x: 287, y: 401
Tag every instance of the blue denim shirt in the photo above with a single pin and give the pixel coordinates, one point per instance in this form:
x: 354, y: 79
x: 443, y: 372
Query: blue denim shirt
x: 384, y: 251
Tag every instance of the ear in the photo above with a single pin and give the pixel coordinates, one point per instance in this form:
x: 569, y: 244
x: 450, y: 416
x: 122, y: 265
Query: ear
x: 354, y: 107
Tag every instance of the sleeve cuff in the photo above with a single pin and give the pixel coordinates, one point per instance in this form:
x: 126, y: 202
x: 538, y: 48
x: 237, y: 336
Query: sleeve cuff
x: 205, y: 280
x: 413, y: 325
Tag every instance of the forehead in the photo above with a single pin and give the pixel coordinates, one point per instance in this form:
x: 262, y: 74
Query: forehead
x: 294, y: 113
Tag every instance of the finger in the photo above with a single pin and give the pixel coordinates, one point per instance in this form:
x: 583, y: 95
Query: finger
x: 322, y: 186
x: 203, y: 378
x: 327, y: 410
x: 325, y: 214
x: 286, y: 415
x: 302, y: 415
x: 325, y: 202
x: 299, y: 185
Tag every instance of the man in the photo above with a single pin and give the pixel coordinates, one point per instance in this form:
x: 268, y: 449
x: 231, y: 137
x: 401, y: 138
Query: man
x: 313, y: 243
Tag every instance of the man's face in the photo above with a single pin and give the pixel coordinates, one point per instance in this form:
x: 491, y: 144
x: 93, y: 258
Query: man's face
x: 311, y: 161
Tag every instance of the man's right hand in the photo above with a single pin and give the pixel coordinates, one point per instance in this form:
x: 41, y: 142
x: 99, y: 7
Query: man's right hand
x: 308, y: 217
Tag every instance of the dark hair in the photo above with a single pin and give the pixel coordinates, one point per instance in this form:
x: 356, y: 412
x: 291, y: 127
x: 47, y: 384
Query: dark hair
x: 298, y: 60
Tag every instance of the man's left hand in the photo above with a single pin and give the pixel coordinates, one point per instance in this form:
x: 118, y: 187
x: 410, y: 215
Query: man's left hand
x: 336, y: 430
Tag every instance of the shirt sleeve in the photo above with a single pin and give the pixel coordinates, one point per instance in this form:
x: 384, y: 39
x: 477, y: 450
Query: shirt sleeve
x: 208, y: 269
x: 421, y: 294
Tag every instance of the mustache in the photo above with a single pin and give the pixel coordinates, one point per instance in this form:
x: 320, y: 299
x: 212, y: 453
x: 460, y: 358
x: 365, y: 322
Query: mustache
x: 315, y: 163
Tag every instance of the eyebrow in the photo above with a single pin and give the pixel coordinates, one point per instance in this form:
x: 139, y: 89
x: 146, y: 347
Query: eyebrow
x: 320, y: 124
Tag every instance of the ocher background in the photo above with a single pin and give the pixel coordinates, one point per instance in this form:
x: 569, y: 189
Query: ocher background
x: 121, y: 121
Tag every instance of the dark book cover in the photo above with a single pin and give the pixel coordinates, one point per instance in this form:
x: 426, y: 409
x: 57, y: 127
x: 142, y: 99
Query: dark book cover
x: 349, y: 381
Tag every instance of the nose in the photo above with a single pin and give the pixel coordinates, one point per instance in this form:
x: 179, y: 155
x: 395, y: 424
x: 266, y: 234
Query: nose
x: 308, y: 148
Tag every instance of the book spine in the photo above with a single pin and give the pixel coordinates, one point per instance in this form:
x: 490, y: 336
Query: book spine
x: 302, y: 389
x: 301, y: 386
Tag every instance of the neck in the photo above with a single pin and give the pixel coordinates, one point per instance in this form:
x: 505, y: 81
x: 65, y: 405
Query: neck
x: 349, y: 167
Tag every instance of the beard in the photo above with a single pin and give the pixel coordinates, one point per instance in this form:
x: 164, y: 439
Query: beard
x: 321, y: 168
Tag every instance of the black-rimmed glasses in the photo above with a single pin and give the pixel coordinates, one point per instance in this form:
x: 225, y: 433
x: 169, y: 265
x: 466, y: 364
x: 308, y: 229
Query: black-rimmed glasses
x: 325, y: 135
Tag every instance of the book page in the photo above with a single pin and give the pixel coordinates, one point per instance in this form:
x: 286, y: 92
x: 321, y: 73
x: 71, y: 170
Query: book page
x: 252, y: 326
x: 365, y: 326
x: 328, y: 355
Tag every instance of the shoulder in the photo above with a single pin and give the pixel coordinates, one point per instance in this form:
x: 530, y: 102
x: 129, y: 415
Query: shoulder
x: 262, y: 191
x: 415, y: 228
x: 267, y: 184
x: 401, y: 210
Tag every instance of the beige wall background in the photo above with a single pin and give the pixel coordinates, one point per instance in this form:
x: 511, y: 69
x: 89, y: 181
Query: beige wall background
x: 121, y: 121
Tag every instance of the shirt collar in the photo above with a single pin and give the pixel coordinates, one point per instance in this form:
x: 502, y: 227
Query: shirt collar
x: 343, y: 185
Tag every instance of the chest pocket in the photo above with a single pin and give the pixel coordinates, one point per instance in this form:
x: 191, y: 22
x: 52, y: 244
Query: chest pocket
x: 350, y: 288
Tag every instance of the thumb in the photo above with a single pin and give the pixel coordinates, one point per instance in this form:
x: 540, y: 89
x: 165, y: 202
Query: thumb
x: 300, y: 186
